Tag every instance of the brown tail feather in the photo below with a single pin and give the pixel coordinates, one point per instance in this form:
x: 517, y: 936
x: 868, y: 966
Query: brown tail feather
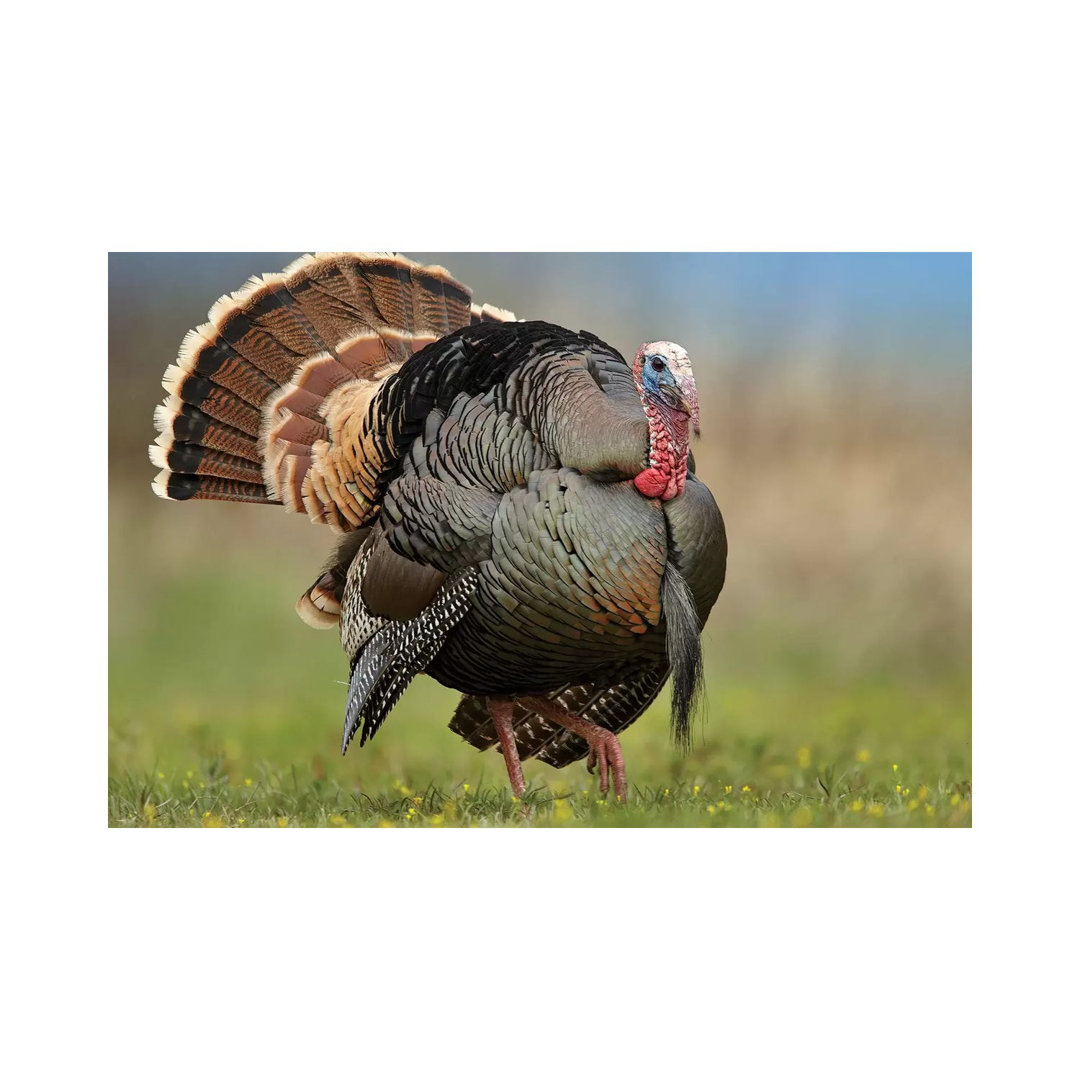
x: 489, y: 313
x: 265, y: 399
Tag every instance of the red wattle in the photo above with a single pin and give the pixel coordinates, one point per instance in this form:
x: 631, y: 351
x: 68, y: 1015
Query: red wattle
x: 652, y: 483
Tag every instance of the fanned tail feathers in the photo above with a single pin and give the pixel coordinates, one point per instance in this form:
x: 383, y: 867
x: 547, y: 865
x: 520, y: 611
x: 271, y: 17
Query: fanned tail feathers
x: 270, y: 401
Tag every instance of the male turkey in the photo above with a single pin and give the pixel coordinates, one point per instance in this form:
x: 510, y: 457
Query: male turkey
x: 521, y: 519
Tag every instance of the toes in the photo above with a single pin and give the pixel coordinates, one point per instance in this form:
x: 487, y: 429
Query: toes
x: 604, y: 770
x: 620, y: 772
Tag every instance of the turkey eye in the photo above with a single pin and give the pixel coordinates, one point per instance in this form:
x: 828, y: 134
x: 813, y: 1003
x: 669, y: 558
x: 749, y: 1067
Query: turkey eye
x: 657, y: 364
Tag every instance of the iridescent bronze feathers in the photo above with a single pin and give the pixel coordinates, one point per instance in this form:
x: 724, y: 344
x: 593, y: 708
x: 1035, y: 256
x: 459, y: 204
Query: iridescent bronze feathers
x: 482, y: 473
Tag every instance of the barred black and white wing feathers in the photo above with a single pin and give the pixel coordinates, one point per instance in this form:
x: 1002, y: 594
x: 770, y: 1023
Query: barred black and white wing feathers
x: 482, y: 471
x: 386, y: 654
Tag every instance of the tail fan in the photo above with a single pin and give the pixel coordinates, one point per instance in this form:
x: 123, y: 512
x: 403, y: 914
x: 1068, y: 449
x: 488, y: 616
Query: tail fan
x: 268, y: 401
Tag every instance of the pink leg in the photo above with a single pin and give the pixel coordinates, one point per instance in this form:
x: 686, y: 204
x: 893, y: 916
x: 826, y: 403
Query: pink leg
x: 604, y: 748
x: 502, y: 710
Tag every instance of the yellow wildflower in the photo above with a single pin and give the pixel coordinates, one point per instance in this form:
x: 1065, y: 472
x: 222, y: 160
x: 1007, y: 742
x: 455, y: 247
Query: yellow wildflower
x: 247, y: 781
x: 876, y: 810
x: 955, y: 800
x: 913, y: 805
x: 711, y: 809
x: 895, y: 767
x: 745, y: 787
x: 384, y: 824
x: 562, y: 810
x: 282, y: 822
x: 149, y: 811
x: 856, y: 806
x: 212, y: 821
x: 161, y: 776
x: 862, y: 755
x: 898, y: 787
x: 727, y: 789
x: 697, y: 789
x: 465, y: 788
x: 336, y: 819
x: 436, y: 821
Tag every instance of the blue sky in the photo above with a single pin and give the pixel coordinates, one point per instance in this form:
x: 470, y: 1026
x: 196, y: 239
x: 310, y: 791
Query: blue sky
x: 907, y: 311
x: 898, y: 307
x: 881, y: 309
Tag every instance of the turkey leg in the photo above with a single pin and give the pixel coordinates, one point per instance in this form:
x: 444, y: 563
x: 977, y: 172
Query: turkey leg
x: 604, y: 748
x: 502, y: 711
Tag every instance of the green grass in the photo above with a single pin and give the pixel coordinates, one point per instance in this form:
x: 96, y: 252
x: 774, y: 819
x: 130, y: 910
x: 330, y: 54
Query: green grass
x: 209, y: 797
x: 225, y: 713
x: 226, y: 710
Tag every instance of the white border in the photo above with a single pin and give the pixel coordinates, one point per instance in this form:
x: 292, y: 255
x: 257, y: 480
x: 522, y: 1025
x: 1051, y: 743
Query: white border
x: 837, y: 126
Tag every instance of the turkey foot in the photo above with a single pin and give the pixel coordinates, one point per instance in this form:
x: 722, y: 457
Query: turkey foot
x: 502, y: 711
x: 605, y: 753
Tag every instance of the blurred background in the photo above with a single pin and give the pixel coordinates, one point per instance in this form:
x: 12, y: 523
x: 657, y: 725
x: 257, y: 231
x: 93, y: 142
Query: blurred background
x: 836, y: 438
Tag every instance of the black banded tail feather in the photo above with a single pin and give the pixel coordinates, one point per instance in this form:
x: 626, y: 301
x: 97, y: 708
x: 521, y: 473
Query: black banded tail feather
x: 262, y: 397
x: 518, y: 504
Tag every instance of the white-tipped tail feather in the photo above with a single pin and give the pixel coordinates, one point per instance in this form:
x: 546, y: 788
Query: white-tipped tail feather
x: 267, y: 400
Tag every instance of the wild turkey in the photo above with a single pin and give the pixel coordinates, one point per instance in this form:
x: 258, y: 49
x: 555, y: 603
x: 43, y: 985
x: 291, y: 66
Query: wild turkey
x: 520, y: 513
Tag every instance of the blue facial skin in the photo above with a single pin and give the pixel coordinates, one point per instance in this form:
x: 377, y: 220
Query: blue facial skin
x: 661, y: 385
x: 655, y: 379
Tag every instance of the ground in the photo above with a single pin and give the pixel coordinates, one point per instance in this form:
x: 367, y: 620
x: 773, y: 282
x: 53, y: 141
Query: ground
x: 837, y: 659
x: 225, y: 711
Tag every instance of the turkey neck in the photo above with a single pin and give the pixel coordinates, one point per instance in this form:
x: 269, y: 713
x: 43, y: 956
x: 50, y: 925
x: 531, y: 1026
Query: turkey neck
x: 669, y: 447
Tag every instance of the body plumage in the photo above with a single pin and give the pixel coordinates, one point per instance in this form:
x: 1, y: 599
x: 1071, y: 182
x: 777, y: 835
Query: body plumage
x: 521, y: 519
